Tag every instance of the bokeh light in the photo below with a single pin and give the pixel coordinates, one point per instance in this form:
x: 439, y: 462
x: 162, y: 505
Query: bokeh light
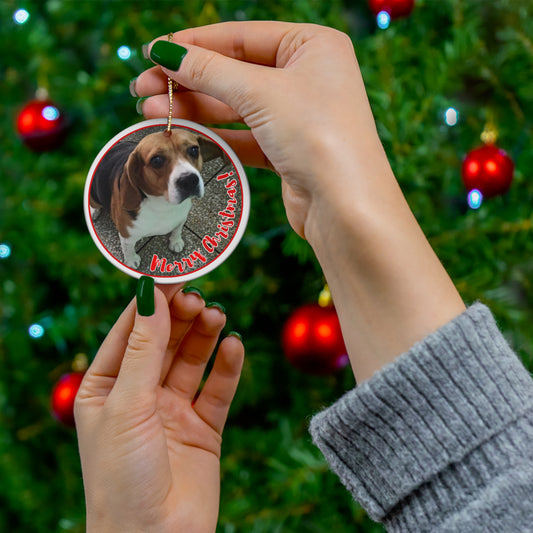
x: 5, y: 251
x: 451, y: 116
x: 50, y: 112
x: 383, y: 20
x: 36, y: 331
x: 21, y: 16
x: 475, y: 199
x: 124, y: 52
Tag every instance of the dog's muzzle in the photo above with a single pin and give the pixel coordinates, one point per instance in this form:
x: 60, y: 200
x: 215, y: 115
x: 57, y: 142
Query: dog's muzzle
x: 189, y: 185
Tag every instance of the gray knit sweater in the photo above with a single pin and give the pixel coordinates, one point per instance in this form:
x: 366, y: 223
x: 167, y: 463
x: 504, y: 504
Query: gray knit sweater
x: 440, y: 440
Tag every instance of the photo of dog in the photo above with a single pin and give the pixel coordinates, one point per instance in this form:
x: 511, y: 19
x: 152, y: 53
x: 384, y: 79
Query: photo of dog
x: 147, y: 187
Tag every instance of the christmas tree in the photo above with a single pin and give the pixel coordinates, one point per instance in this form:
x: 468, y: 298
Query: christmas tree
x: 436, y: 78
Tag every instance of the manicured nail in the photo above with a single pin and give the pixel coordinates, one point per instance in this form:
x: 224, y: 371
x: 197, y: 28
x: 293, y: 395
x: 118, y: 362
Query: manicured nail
x: 235, y: 334
x: 167, y: 54
x: 146, y: 50
x: 220, y: 307
x: 133, y: 92
x: 139, y: 105
x: 192, y: 290
x: 145, y: 296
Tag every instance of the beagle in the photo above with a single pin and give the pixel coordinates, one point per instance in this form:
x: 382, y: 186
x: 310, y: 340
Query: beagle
x: 147, y: 187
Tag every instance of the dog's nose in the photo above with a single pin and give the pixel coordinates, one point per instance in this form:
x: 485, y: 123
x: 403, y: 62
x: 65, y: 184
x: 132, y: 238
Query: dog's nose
x: 189, y: 185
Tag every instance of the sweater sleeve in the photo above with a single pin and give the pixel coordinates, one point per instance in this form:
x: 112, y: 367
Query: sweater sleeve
x: 440, y: 440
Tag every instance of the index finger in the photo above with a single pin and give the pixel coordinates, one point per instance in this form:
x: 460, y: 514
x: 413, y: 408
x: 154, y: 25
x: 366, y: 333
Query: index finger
x: 251, y: 41
x: 255, y: 42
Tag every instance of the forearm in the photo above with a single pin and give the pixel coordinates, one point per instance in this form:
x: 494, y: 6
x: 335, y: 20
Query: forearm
x: 388, y: 286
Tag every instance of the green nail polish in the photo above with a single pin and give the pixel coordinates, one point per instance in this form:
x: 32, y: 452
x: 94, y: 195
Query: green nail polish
x: 133, y: 92
x: 167, y: 54
x: 139, y: 105
x: 192, y: 290
x: 145, y: 296
x: 220, y: 307
x: 235, y: 334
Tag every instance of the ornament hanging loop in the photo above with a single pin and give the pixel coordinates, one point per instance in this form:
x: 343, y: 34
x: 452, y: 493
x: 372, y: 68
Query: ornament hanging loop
x: 80, y: 363
x: 172, y: 86
x: 324, y: 298
x: 489, y: 135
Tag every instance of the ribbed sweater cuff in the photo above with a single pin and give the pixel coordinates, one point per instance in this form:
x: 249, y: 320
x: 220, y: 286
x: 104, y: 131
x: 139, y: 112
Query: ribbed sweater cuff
x: 431, y: 425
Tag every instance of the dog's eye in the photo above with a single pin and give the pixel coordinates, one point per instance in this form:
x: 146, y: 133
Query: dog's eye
x: 193, y: 151
x: 157, y: 161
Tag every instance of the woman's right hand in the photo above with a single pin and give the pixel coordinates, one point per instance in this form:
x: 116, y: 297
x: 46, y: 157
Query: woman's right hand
x: 299, y: 89
x: 296, y: 86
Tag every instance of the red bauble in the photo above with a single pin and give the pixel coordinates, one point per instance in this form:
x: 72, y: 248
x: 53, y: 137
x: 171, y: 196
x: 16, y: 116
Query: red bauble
x: 312, y: 340
x: 41, y: 125
x: 63, y: 396
x: 488, y: 169
x: 395, y: 8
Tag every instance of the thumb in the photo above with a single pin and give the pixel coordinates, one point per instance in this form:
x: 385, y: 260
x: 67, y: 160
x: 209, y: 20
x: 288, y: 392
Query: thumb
x: 229, y: 80
x: 140, y: 370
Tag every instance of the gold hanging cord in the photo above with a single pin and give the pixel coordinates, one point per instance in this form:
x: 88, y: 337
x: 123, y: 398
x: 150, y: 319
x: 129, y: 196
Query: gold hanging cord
x: 172, y: 86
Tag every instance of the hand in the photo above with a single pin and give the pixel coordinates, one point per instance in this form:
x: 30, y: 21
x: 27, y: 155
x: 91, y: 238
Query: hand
x: 304, y: 114
x: 299, y: 89
x: 150, y: 452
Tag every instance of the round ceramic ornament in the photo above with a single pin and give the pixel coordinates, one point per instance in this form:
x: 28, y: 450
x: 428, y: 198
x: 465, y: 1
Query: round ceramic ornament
x: 166, y: 199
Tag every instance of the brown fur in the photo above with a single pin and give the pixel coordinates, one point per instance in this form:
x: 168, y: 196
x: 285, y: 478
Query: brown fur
x: 139, y: 178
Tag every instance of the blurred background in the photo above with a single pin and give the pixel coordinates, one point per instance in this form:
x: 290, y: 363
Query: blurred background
x: 439, y: 75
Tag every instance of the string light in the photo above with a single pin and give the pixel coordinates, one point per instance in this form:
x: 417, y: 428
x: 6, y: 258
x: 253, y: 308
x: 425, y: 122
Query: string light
x: 50, y: 112
x: 36, y: 331
x: 451, y: 116
x: 124, y: 52
x: 21, y: 16
x: 383, y: 20
x: 475, y: 199
x: 5, y: 251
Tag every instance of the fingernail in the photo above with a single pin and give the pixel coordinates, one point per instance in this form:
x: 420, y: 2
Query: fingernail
x: 192, y: 290
x: 139, y: 105
x: 133, y: 92
x: 146, y: 50
x: 145, y: 296
x: 220, y: 307
x: 235, y: 334
x: 167, y: 54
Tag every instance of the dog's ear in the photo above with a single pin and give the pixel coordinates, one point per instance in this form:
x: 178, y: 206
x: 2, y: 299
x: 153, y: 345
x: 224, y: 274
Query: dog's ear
x: 209, y: 149
x: 130, y: 193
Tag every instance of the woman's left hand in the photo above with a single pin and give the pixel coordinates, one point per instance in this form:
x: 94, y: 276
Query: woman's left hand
x: 149, y: 444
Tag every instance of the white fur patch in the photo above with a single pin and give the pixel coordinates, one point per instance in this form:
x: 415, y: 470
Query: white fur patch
x: 155, y: 217
x: 158, y: 217
x: 182, y: 168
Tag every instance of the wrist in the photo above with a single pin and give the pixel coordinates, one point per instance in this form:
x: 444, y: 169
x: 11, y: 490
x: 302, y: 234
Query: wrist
x: 106, y: 527
x: 350, y: 195
x: 102, y: 519
x: 389, y: 287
